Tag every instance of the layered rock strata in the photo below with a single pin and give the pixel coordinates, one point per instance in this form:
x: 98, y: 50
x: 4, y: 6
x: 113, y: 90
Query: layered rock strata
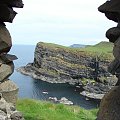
x: 59, y: 64
x: 110, y: 107
x: 8, y: 89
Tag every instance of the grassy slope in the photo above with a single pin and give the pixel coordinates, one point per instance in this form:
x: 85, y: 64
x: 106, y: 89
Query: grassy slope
x: 39, y: 110
x: 103, y: 49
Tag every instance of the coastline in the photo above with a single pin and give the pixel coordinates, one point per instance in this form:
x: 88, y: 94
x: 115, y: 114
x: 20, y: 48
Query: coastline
x: 30, y: 71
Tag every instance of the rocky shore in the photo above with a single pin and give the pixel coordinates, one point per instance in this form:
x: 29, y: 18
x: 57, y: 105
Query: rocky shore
x: 58, y: 64
x: 33, y: 72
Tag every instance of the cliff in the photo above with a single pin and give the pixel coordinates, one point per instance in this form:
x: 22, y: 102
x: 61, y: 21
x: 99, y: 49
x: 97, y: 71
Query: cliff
x: 84, y: 66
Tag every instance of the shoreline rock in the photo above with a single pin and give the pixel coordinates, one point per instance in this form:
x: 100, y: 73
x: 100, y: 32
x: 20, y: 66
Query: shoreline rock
x: 92, y: 95
x: 91, y: 91
x: 58, y: 64
x: 63, y: 100
x: 30, y: 71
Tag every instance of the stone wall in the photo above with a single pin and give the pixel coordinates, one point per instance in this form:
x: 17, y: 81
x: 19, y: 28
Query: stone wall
x: 110, y: 104
x: 8, y: 89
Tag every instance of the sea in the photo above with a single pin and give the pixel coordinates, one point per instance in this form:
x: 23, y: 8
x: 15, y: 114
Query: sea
x: 35, y: 89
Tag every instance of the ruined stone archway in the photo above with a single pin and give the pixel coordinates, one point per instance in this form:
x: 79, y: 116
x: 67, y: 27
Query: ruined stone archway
x: 110, y: 103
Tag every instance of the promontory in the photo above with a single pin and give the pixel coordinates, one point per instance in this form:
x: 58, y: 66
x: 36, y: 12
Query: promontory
x: 85, y: 67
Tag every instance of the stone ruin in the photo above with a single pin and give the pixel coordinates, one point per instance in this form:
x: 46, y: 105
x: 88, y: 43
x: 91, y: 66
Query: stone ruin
x: 110, y: 104
x: 8, y: 89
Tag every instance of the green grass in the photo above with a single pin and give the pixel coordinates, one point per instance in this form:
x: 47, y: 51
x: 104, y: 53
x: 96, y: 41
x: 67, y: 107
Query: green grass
x: 104, y: 47
x: 39, y: 110
x: 103, y: 50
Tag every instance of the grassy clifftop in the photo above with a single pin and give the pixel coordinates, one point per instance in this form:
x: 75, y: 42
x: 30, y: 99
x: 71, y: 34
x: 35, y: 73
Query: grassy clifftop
x: 39, y: 110
x: 103, y: 49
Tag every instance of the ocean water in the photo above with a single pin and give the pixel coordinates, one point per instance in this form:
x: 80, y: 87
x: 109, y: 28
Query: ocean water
x: 32, y: 88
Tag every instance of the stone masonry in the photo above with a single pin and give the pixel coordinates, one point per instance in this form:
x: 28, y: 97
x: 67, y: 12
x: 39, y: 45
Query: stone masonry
x: 8, y: 89
x: 110, y: 104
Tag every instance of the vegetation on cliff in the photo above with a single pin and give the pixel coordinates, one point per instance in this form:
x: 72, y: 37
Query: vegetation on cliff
x: 86, y: 67
x: 102, y: 50
x: 39, y: 110
x: 58, y: 61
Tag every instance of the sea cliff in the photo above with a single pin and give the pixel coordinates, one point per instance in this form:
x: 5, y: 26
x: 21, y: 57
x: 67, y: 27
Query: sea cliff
x: 86, y: 67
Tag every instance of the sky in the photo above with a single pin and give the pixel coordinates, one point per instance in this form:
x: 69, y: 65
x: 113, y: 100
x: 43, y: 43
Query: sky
x: 63, y: 22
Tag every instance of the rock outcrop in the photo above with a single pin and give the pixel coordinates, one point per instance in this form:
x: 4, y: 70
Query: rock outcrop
x: 63, y: 100
x: 8, y: 89
x: 59, y: 64
x: 110, y: 107
x: 8, y: 111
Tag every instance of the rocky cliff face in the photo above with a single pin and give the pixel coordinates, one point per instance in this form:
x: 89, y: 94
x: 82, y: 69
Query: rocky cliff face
x: 59, y: 64
x: 68, y: 63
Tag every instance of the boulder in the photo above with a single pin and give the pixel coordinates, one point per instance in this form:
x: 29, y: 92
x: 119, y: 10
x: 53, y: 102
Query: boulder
x: 4, y: 106
x: 114, y: 66
x: 7, y: 14
x: 6, y: 70
x: 13, y: 3
x: 116, y: 49
x: 8, y: 111
x: 90, y: 95
x: 110, y: 6
x: 9, y: 91
x: 113, y: 33
x: 65, y: 101
x: 16, y: 116
x: 54, y: 99
x: 7, y: 58
x: 110, y: 105
x: 111, y: 9
x: 3, y: 117
x: 2, y: 113
x: 5, y: 39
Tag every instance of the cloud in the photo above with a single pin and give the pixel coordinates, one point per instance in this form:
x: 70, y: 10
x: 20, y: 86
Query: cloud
x: 59, y: 21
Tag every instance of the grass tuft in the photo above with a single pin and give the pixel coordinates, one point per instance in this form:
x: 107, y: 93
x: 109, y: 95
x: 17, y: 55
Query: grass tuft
x: 41, y: 110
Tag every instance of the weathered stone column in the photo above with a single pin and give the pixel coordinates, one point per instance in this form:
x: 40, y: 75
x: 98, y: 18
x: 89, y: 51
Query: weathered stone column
x: 110, y: 104
x: 8, y: 89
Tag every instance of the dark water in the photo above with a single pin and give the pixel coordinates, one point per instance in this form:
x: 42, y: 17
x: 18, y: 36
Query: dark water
x: 31, y: 88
